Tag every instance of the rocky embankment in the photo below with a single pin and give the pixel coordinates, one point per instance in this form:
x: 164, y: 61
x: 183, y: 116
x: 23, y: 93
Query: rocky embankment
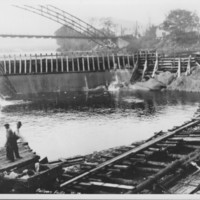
x: 170, y: 81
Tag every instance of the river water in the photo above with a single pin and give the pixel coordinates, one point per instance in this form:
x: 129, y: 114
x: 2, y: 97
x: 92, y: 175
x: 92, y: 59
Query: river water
x: 64, y: 125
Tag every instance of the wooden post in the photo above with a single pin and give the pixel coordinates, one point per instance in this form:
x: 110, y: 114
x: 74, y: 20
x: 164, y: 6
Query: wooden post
x: 78, y: 63
x: 14, y: 64
x: 188, y: 70
x: 128, y: 58
x: 118, y: 62
x: 88, y: 62
x: 104, y: 68
x: 73, y: 63
x: 41, y: 63
x: 9, y: 69
x: 62, y: 63
x: 155, y: 66
x: 36, y: 63
x: 108, y: 57
x: 25, y: 64
x: 67, y: 63
x: 83, y: 63
x: 4, y: 62
x: 98, y: 62
x: 46, y: 63
x: 113, y: 58
x: 124, y: 62
x: 179, y: 68
x: 93, y: 66
x: 56, y: 62
x: 30, y: 65
x: 20, y: 64
x: 51, y: 62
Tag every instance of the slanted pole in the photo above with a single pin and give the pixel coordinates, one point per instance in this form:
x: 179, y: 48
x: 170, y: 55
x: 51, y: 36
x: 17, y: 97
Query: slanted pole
x: 188, y: 70
x: 145, y: 67
x: 155, y: 66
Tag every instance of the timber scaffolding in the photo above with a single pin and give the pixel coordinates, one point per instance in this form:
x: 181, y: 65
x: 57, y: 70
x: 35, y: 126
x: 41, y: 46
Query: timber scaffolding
x: 147, y: 63
x: 168, y: 162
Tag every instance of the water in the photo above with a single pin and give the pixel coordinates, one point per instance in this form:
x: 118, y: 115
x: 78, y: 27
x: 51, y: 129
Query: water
x: 64, y: 125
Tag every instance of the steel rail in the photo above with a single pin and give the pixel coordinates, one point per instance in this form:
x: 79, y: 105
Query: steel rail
x: 132, y: 151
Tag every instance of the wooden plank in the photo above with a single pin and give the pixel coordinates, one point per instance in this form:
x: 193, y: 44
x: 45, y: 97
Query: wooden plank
x: 122, y: 181
x: 166, y: 145
x: 188, y: 158
x: 112, y: 185
x: 156, y: 163
x: 25, y: 152
x: 19, y: 163
x: 147, y: 169
x: 121, y: 166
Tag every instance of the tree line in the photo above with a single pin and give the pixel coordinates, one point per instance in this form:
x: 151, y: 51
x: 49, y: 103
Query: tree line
x: 179, y: 31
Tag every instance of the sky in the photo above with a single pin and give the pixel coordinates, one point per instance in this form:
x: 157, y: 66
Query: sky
x: 16, y: 21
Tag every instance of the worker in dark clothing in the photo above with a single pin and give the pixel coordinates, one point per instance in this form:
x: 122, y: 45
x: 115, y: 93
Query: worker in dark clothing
x: 9, y: 143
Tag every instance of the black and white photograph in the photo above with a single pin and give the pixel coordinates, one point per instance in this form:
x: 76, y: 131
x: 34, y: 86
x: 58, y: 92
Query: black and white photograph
x: 100, y: 97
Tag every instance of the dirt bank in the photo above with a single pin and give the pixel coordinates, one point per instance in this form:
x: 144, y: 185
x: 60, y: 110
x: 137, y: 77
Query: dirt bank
x: 190, y: 83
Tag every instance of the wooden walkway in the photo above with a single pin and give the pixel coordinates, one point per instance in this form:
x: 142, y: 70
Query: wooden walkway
x: 28, y: 156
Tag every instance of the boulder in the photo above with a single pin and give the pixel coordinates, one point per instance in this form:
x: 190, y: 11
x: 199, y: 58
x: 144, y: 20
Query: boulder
x: 151, y: 84
x: 165, y: 77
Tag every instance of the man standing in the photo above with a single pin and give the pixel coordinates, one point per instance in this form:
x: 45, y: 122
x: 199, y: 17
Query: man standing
x: 18, y: 134
x: 9, y: 143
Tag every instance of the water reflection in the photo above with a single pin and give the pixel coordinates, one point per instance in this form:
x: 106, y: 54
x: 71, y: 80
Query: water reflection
x: 149, y: 102
x: 80, y: 123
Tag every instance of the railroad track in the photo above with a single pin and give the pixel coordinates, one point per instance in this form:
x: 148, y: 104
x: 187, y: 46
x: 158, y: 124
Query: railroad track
x: 159, y: 165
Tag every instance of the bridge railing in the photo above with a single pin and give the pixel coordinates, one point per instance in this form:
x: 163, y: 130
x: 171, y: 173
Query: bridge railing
x: 59, y: 63
x: 148, y: 63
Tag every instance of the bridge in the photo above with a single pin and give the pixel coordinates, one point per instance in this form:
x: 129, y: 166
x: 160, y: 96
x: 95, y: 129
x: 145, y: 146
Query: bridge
x: 82, y: 29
